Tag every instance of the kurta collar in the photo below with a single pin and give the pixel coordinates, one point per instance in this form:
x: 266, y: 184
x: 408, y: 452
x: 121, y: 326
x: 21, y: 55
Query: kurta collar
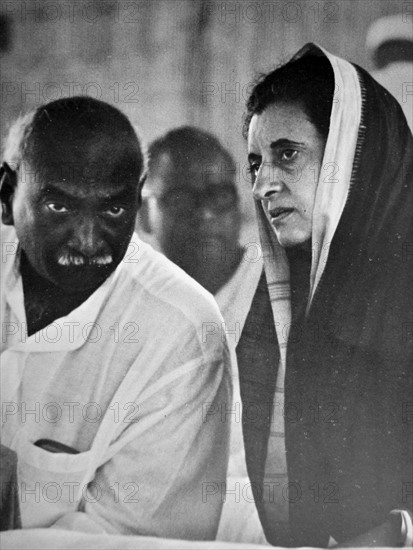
x: 65, y: 333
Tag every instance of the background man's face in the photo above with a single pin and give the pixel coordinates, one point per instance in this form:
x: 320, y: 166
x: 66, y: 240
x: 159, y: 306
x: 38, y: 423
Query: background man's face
x: 196, y: 213
x: 74, y: 217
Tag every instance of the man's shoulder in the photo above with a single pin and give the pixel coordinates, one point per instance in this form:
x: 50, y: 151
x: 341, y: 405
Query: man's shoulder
x: 155, y: 278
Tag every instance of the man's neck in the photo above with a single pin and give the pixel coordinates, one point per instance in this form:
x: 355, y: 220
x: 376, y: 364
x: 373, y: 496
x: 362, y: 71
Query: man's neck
x: 43, y: 301
x: 214, y: 271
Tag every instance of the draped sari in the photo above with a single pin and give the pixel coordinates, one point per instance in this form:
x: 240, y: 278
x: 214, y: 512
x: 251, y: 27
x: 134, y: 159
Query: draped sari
x: 344, y: 366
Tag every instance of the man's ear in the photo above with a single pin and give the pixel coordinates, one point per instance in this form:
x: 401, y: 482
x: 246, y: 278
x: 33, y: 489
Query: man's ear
x: 143, y: 220
x: 140, y: 185
x: 8, y: 184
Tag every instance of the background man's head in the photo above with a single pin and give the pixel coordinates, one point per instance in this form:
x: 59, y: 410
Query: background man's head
x: 71, y: 186
x: 389, y: 40
x: 191, y: 203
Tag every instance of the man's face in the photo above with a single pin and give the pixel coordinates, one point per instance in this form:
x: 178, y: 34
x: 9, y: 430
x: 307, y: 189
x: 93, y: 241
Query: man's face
x: 74, y: 217
x: 195, y: 213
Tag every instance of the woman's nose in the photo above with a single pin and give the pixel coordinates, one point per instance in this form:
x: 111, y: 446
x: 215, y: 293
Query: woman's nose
x: 268, y: 182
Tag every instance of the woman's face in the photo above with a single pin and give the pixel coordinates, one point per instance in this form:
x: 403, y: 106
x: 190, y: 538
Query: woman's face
x: 285, y: 151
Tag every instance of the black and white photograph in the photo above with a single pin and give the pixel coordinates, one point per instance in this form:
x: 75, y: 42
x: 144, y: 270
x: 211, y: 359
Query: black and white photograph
x: 206, y: 274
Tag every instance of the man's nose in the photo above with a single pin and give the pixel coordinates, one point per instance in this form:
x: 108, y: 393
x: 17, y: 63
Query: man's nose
x: 207, y: 212
x: 269, y: 181
x: 87, y: 237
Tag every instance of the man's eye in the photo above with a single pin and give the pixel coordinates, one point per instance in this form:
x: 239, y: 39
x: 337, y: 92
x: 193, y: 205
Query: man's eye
x: 289, y: 154
x: 114, y: 211
x: 57, y: 208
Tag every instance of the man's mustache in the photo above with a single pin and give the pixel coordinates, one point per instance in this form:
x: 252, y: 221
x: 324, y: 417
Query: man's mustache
x: 70, y: 258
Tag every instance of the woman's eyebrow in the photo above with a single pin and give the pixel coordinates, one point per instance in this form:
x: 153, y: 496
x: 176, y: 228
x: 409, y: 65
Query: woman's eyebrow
x: 284, y: 142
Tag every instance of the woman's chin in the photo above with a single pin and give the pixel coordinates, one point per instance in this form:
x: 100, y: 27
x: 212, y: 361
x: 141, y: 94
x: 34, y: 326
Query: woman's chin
x: 292, y: 239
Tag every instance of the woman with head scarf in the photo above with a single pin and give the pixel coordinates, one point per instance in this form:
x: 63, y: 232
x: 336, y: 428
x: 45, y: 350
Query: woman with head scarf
x: 325, y: 354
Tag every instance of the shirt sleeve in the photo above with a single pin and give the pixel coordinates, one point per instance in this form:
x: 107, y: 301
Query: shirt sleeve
x: 169, y: 480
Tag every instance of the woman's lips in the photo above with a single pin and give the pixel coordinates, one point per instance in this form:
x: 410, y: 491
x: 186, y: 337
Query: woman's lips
x: 280, y: 214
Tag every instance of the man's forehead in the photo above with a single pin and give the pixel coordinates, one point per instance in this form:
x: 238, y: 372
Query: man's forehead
x: 75, y: 172
x: 85, y: 146
x: 103, y: 191
x: 76, y: 179
x: 93, y: 161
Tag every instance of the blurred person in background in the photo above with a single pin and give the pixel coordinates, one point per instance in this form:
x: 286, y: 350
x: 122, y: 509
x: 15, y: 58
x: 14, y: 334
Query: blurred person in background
x: 390, y: 45
x: 191, y: 210
x: 330, y: 156
x: 191, y: 206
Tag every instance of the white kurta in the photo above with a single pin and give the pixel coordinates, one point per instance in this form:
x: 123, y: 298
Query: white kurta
x: 134, y: 380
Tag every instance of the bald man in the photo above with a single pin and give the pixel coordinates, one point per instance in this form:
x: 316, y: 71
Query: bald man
x: 108, y: 375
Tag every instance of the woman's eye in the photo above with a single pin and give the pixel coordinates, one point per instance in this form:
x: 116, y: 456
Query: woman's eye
x: 114, y: 211
x: 289, y: 154
x: 253, y: 169
x: 57, y: 208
